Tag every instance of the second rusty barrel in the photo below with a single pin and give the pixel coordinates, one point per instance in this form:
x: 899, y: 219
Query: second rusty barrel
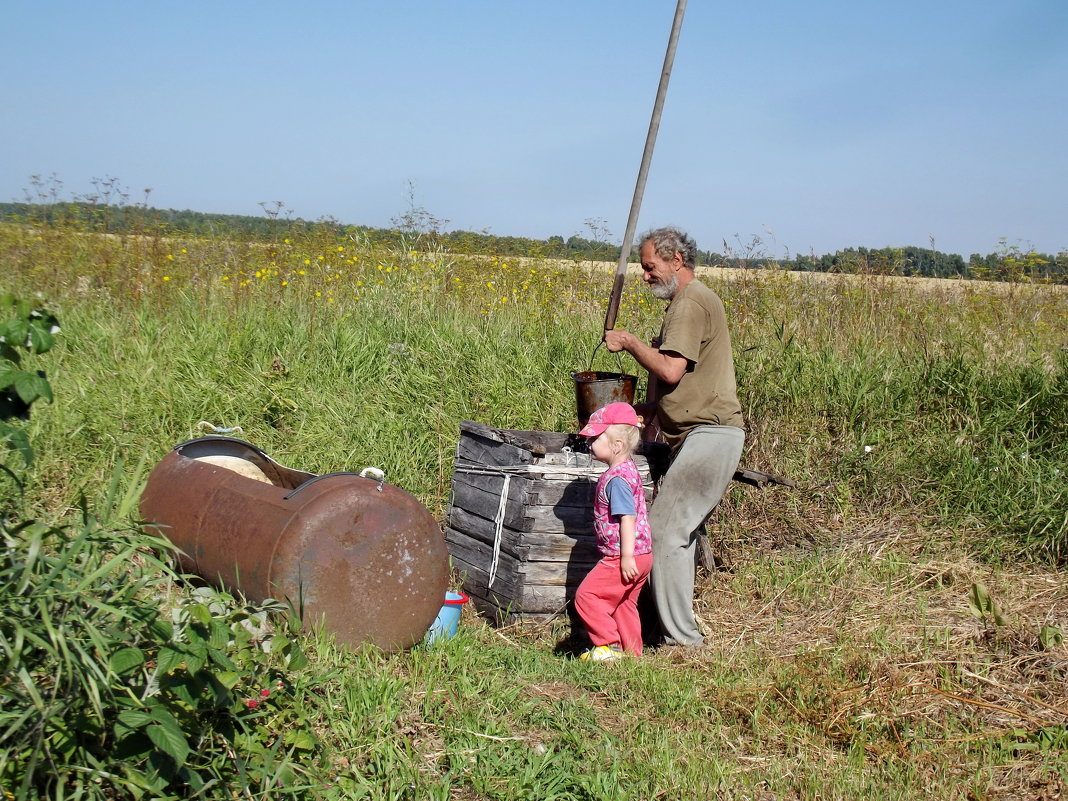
x: 359, y: 555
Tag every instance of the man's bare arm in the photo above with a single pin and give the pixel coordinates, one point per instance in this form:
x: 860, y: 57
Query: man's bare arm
x: 667, y: 366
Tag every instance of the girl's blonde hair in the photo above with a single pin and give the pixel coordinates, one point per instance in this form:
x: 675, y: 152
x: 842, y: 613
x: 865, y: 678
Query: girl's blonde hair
x: 629, y: 435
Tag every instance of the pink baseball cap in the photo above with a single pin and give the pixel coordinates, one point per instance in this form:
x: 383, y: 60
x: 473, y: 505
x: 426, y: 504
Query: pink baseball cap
x: 610, y: 415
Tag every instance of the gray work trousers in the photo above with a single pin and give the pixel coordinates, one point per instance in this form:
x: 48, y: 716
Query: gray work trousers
x: 692, y: 487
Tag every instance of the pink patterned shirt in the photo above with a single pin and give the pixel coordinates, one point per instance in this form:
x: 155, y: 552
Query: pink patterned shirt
x: 605, y: 527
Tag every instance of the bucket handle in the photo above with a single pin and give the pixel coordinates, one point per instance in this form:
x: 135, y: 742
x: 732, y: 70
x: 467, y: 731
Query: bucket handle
x: 619, y: 356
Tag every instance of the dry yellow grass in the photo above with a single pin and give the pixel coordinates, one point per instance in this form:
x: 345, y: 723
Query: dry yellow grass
x: 918, y: 283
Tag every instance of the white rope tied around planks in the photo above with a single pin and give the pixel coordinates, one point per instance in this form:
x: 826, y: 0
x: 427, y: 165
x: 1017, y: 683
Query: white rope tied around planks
x: 506, y: 472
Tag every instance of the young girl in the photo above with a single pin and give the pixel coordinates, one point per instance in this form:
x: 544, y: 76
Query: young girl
x: 607, y: 599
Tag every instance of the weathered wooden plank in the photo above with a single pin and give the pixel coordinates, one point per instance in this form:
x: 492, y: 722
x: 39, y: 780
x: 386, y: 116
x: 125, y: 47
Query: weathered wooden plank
x: 502, y: 605
x: 482, y: 529
x: 569, y: 491
x: 546, y: 538
x: 562, y: 548
x: 520, y: 439
x: 572, y: 459
x: 491, y: 451
x: 479, y: 556
x: 547, y: 519
x: 540, y: 586
x: 585, y: 462
x: 529, y: 488
x: 481, y: 495
x: 484, y: 598
x: 513, y: 575
x: 545, y: 599
x: 537, y: 442
x: 485, y: 529
x: 572, y: 492
x: 475, y: 579
x: 494, y: 613
x: 543, y: 443
x: 570, y: 573
x: 570, y: 565
x: 531, y: 601
x: 561, y: 519
x: 480, y: 552
x: 536, y: 603
x: 540, y: 546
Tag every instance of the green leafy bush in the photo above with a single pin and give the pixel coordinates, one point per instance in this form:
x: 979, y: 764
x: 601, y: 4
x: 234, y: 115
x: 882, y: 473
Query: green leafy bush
x: 22, y: 328
x: 104, y: 690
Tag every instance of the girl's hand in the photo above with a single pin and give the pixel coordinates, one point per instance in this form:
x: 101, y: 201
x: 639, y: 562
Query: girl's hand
x: 628, y: 569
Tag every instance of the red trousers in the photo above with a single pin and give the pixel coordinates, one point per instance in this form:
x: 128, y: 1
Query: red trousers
x: 609, y: 608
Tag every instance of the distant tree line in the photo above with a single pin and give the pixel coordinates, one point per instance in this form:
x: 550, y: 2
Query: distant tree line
x: 1008, y: 263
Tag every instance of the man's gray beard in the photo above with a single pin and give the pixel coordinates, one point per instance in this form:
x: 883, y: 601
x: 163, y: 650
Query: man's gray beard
x: 665, y: 291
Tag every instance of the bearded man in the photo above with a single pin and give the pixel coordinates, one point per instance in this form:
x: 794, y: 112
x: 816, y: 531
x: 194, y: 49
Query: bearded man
x: 695, y: 400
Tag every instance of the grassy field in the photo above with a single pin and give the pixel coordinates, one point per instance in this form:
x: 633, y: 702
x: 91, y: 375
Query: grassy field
x: 889, y: 628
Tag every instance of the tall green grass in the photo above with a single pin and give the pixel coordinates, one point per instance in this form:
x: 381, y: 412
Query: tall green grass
x: 941, y: 397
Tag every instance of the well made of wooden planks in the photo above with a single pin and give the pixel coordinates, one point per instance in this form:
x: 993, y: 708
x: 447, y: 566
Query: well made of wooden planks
x: 543, y: 531
x: 528, y: 496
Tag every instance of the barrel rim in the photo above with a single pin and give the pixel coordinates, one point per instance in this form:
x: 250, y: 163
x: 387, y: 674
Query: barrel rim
x: 601, y: 375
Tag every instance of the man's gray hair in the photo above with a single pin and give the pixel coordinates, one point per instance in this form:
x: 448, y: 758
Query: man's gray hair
x: 669, y: 241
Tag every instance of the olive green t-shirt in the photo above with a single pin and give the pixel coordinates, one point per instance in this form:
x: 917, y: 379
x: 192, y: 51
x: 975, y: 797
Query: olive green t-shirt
x: 695, y: 327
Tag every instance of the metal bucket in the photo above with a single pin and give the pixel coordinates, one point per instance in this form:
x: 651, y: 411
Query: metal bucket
x: 360, y: 556
x: 594, y: 389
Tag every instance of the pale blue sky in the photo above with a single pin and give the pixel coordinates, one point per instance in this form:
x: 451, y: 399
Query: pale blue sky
x: 815, y: 126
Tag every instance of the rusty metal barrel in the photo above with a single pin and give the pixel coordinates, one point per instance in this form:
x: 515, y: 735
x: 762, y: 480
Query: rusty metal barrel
x: 361, y: 556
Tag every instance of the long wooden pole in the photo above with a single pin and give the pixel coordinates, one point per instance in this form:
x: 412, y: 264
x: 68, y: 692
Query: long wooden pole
x: 643, y: 171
